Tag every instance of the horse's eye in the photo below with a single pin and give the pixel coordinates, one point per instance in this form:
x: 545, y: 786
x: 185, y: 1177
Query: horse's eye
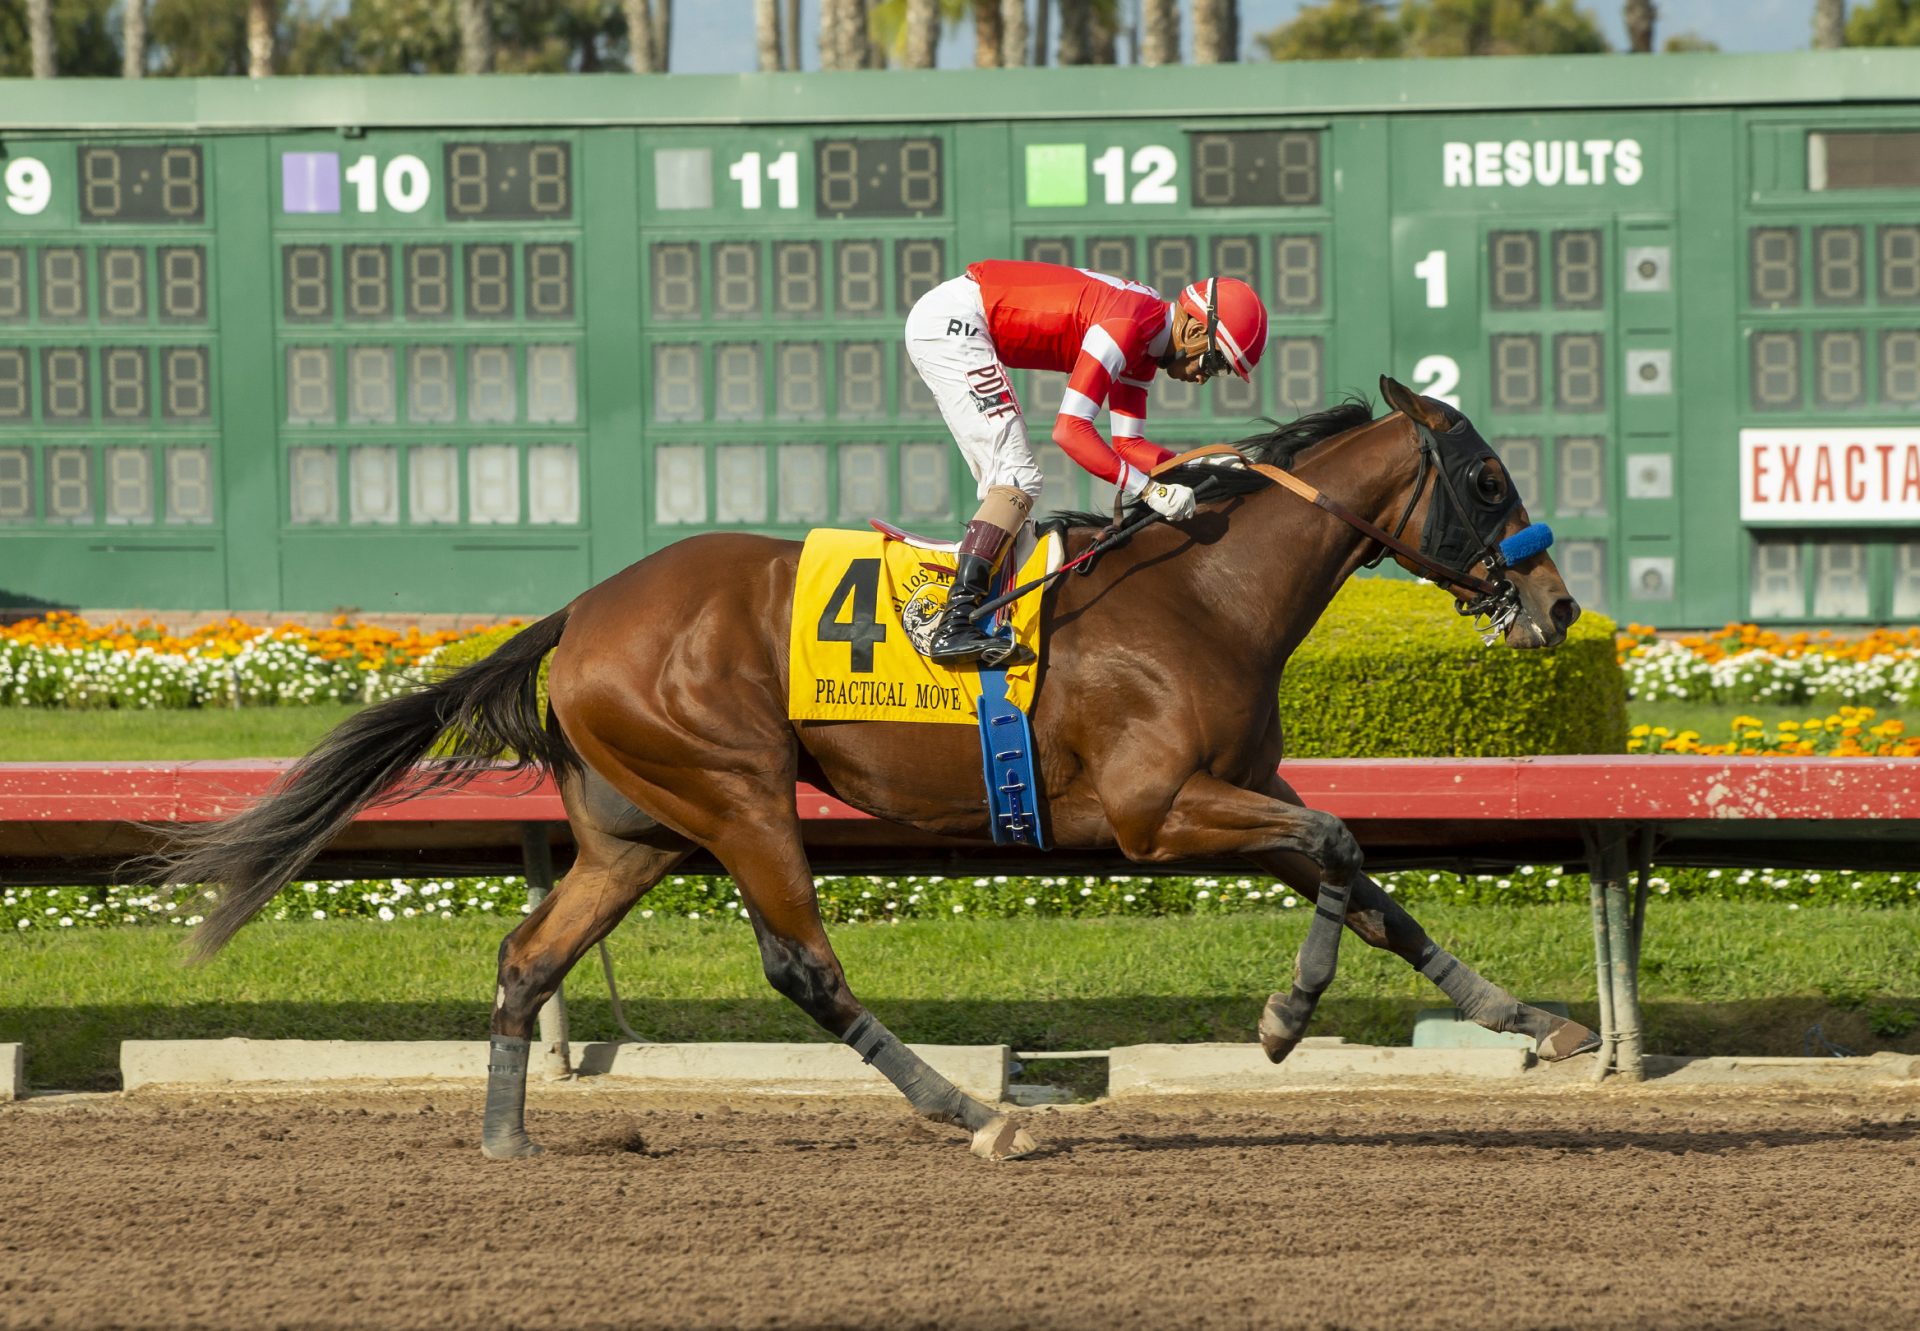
x: 1491, y: 485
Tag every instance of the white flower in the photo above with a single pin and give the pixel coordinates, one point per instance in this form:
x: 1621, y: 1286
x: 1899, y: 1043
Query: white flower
x: 386, y: 912
x: 1033, y: 901
x: 319, y: 915
x: 958, y: 908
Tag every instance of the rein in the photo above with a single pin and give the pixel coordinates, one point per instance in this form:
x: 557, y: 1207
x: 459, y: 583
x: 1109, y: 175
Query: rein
x: 1495, y: 599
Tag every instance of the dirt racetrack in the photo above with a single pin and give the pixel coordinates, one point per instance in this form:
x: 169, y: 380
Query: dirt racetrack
x: 1650, y: 1208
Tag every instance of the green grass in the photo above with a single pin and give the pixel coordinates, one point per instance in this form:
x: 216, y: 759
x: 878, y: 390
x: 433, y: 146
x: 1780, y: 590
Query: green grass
x: 1720, y: 977
x: 29, y: 734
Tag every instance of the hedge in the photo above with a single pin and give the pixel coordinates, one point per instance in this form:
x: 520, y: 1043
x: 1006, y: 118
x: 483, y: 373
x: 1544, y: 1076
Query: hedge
x: 1392, y: 671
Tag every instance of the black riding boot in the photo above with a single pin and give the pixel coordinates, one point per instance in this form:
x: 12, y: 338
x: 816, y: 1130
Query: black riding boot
x: 959, y: 640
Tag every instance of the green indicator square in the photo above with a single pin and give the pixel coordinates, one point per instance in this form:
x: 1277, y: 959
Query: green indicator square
x: 1056, y: 175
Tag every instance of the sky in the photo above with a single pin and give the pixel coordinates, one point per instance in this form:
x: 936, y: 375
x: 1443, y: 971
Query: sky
x: 716, y: 36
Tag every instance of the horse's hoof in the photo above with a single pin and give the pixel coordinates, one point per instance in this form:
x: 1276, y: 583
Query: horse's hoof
x: 1003, y: 1139
x: 1274, y: 1036
x: 1566, y: 1040
x: 518, y: 1146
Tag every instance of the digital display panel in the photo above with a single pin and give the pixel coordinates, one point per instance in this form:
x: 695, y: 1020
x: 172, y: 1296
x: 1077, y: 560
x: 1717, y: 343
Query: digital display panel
x: 13, y: 284
x: 367, y: 283
x: 1578, y: 277
x: 123, y: 284
x: 142, y: 183
x: 183, y: 283
x: 1258, y: 168
x: 879, y: 177
x: 1513, y: 270
x: 508, y: 182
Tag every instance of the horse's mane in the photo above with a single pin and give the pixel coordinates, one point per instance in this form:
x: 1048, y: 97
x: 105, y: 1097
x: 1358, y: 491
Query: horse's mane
x: 1279, y: 446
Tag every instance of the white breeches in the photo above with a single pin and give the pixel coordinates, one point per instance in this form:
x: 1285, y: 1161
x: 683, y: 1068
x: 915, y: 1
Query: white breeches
x: 948, y: 343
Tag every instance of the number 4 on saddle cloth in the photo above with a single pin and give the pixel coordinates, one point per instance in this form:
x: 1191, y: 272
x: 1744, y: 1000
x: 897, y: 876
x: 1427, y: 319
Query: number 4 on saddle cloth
x: 864, y: 606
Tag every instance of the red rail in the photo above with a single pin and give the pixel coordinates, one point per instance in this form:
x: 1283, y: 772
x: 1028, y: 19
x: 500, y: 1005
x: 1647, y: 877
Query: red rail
x: 1551, y: 789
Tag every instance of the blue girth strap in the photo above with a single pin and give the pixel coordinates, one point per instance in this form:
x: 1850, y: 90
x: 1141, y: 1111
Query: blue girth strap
x: 1006, y: 753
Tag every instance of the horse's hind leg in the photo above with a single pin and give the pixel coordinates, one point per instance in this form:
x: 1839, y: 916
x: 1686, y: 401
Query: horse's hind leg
x: 765, y: 857
x: 1384, y: 923
x: 622, y: 854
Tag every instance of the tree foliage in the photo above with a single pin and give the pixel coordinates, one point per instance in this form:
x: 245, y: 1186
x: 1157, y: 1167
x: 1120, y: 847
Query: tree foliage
x: 1885, y: 23
x: 205, y: 38
x: 84, y: 41
x: 1345, y: 29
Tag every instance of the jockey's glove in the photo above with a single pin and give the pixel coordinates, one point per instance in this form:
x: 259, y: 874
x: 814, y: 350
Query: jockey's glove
x: 1169, y: 499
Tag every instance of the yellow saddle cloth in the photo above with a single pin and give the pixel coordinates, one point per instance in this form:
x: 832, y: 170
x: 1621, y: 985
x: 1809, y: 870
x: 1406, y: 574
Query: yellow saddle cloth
x: 861, y: 603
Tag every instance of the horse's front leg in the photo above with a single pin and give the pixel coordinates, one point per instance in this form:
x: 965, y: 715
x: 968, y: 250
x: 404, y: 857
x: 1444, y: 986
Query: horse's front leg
x: 1384, y: 923
x: 1211, y: 817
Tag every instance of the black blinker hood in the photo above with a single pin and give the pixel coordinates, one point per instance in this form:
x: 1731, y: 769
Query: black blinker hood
x: 1462, y: 527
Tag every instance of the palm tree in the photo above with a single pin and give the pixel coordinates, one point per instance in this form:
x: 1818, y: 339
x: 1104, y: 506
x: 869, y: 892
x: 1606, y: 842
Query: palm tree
x: 40, y: 37
x: 1076, y: 32
x: 1013, y: 32
x: 793, y: 34
x: 133, y: 39
x: 1639, y: 20
x: 1042, y: 37
x: 1212, y: 31
x: 1160, y: 32
x: 986, y: 33
x: 842, y: 34
x: 476, y: 37
x: 922, y: 33
x: 766, y: 24
x: 643, y: 54
x: 1830, y: 24
x: 259, y: 38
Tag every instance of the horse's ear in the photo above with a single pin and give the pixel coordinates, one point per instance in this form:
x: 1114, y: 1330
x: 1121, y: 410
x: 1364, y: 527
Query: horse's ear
x: 1404, y: 399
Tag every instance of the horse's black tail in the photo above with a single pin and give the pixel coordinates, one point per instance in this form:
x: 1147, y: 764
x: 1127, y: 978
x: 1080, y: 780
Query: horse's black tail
x: 486, y: 709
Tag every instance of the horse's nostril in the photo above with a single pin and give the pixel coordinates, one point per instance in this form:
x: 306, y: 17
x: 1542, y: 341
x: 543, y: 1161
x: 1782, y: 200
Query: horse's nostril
x: 1564, y: 612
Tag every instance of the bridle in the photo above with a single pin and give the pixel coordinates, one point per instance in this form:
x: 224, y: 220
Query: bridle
x: 1494, y: 603
x: 1213, y: 361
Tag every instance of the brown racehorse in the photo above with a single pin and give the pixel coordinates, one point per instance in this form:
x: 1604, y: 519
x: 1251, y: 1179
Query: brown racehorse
x: 1155, y: 720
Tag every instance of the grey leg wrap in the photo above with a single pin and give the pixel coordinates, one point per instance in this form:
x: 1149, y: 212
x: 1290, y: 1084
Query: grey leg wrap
x: 1480, y: 1000
x: 1284, y: 1022
x: 931, y: 1094
x: 503, y: 1134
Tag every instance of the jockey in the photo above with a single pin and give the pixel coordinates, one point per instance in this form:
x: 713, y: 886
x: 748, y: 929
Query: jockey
x: 1109, y: 335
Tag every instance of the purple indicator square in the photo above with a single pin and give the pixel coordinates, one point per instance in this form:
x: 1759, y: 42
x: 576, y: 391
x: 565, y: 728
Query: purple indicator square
x: 310, y: 182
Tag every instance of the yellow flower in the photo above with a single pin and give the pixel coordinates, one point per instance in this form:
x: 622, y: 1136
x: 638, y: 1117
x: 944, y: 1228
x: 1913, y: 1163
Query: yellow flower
x: 1789, y: 726
x: 1640, y: 732
x: 1746, y: 722
x: 1660, y: 732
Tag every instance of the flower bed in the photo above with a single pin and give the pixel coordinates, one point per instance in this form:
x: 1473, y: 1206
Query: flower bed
x: 879, y: 900
x: 1743, y: 663
x: 63, y: 661
x: 1850, y: 732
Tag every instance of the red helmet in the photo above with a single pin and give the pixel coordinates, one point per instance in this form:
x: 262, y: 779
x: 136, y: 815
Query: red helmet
x: 1236, y: 321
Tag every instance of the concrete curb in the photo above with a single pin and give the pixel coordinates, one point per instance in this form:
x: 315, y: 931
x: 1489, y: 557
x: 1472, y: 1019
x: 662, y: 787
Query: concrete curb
x: 1188, y: 1069
x: 1741, y: 1070
x: 13, y: 1071
x: 738, y: 1068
